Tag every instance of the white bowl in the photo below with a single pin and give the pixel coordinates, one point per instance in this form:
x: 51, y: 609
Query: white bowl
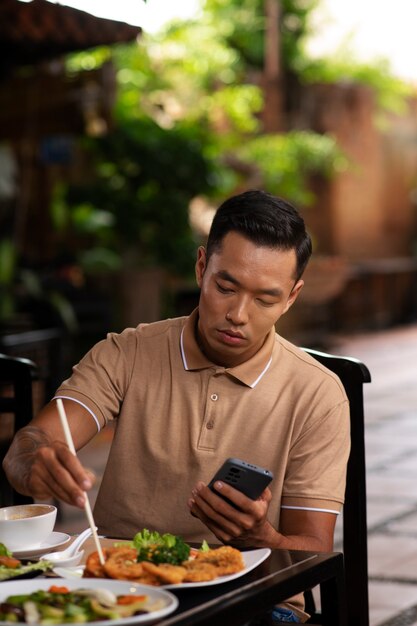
x: 26, y: 525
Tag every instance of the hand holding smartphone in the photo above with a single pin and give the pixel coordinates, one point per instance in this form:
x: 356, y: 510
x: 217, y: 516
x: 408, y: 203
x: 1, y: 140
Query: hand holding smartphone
x: 247, y: 478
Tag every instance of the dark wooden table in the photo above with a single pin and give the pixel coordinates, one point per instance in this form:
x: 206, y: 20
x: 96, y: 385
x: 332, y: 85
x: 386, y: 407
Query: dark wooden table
x: 284, y: 574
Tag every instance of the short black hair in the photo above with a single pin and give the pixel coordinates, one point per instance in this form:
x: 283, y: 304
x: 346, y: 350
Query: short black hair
x: 264, y: 219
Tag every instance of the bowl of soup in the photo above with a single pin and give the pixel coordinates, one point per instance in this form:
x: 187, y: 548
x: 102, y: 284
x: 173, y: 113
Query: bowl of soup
x: 26, y: 526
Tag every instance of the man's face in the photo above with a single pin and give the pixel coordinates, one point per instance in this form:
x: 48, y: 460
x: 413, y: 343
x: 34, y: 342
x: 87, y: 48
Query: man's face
x: 245, y: 288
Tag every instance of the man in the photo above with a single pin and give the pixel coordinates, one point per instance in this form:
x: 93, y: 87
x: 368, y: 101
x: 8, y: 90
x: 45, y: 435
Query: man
x: 187, y: 393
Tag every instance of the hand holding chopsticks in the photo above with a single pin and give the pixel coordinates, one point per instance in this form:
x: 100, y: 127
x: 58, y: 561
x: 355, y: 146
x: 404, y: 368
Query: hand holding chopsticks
x: 87, y: 507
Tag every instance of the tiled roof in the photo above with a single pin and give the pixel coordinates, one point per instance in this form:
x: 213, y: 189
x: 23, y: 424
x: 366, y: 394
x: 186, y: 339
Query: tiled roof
x: 39, y: 30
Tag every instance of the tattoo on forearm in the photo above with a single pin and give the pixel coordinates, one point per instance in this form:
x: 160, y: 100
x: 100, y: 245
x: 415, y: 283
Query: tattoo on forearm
x: 29, y: 439
x: 18, y: 461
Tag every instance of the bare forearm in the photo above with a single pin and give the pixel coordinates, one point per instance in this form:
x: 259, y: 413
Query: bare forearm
x: 21, y: 455
x: 41, y: 466
x: 275, y: 540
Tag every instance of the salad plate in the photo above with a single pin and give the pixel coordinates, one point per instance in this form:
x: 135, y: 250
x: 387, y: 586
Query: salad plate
x: 251, y: 559
x: 25, y: 572
x: 55, y: 540
x: 164, y: 601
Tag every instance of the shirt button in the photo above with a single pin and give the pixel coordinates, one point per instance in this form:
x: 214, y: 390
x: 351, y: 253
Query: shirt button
x: 214, y: 397
x: 210, y: 425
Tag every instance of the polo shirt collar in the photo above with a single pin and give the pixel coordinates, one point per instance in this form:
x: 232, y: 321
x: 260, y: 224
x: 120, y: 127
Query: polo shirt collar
x: 249, y: 373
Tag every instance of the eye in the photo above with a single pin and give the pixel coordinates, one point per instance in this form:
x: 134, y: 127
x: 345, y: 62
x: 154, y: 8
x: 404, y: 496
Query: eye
x: 223, y: 289
x: 265, y: 303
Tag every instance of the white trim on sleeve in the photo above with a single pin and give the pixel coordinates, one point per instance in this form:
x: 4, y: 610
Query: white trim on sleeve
x: 309, y: 508
x: 84, y: 406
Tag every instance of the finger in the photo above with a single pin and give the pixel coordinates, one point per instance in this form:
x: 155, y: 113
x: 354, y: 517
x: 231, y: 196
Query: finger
x: 48, y: 486
x: 217, y: 530
x: 242, y: 502
x: 54, y: 469
x: 45, y: 483
x: 84, y: 478
x: 65, y: 488
x: 245, y: 516
x: 224, y: 517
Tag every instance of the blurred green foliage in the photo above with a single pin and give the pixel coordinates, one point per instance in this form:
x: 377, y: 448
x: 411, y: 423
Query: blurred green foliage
x: 136, y: 202
x: 188, y: 123
x: 290, y: 158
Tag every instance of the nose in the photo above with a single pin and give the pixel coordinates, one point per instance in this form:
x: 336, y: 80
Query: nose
x: 238, y: 313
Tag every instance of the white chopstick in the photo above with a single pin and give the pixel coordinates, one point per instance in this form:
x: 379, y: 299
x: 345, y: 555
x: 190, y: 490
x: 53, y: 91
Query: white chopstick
x: 87, y: 507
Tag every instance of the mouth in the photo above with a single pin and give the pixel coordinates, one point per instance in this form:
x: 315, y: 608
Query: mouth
x: 231, y: 338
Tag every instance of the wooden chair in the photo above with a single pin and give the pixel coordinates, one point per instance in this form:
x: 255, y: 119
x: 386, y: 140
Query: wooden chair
x: 16, y: 410
x: 353, y: 374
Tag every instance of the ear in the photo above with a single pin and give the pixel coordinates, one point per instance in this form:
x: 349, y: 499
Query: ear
x: 294, y: 294
x: 200, y: 265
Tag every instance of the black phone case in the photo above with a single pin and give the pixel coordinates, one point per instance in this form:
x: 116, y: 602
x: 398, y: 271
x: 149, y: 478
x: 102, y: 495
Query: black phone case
x: 250, y: 479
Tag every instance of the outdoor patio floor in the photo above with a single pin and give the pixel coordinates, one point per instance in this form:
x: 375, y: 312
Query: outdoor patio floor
x: 391, y: 456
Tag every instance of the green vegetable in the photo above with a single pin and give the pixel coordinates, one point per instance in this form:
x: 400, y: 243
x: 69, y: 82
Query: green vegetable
x: 10, y: 572
x: 4, y: 551
x: 204, y: 547
x: 167, y: 548
x: 47, y: 608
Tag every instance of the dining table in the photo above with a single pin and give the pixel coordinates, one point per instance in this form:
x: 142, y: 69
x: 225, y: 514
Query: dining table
x: 282, y: 574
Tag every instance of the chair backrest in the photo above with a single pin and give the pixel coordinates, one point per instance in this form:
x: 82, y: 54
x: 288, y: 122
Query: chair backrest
x: 16, y: 410
x: 353, y: 374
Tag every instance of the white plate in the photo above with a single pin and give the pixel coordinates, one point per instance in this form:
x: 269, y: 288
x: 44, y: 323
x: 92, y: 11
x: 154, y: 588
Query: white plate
x: 251, y: 558
x: 55, y: 540
x: 118, y: 587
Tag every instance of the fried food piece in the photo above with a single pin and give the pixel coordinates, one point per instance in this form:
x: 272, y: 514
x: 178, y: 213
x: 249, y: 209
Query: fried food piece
x: 227, y: 560
x: 122, y: 564
x: 9, y: 561
x: 93, y: 567
x: 198, y: 572
x: 146, y: 578
x: 165, y: 572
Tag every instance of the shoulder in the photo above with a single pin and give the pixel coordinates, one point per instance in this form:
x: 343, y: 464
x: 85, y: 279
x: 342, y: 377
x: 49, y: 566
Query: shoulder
x: 171, y: 326
x: 147, y: 331
x: 304, y: 366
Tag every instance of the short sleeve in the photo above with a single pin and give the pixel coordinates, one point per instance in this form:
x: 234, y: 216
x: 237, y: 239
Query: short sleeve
x: 316, y: 470
x: 100, y: 380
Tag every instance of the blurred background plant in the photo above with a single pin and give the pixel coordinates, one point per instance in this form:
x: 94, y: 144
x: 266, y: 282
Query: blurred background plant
x: 190, y: 124
x: 189, y: 129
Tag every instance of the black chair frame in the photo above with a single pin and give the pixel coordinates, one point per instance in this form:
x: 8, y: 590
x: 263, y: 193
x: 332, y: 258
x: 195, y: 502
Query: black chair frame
x: 353, y: 374
x: 17, y: 374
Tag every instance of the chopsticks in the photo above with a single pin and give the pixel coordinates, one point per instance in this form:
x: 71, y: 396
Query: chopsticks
x: 87, y: 507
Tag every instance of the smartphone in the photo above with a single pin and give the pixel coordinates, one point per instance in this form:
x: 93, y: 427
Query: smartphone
x: 248, y: 478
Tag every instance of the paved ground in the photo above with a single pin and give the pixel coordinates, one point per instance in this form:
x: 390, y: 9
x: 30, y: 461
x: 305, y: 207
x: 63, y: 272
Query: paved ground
x: 391, y: 457
x: 391, y: 452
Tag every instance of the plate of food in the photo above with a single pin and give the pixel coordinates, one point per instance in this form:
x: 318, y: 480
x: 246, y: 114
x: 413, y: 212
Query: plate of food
x: 167, y: 561
x: 75, y: 601
x: 12, y: 568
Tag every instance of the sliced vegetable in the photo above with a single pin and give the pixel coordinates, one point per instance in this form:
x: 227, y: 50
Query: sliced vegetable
x: 130, y: 599
x: 56, y: 589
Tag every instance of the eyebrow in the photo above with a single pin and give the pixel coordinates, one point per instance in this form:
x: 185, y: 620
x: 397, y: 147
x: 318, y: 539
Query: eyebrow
x: 274, y: 293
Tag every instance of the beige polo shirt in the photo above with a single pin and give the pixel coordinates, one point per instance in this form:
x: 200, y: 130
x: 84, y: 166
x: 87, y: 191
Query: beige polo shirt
x: 179, y: 417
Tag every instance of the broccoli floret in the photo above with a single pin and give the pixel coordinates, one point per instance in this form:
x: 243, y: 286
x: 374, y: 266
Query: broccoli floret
x: 157, y: 548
